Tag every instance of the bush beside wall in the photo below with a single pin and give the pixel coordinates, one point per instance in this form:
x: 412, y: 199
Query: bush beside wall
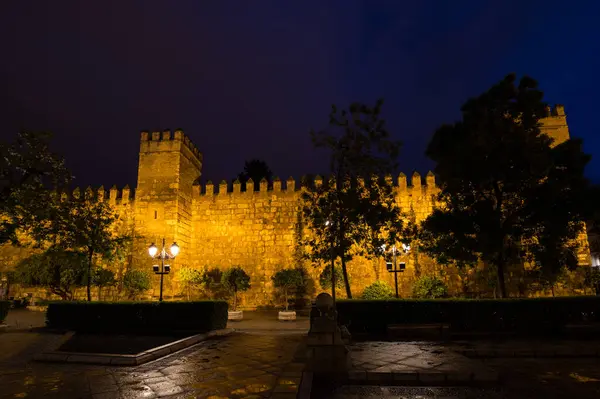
x: 523, y: 316
x: 146, y: 317
x: 4, y: 306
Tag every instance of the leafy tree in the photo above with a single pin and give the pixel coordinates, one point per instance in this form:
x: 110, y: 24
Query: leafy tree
x: 429, y: 287
x: 355, y: 206
x: 211, y: 282
x: 325, y: 277
x: 287, y: 280
x: 135, y: 282
x: 592, y: 279
x: 235, y: 280
x: 256, y: 170
x: 60, y: 271
x: 378, y: 290
x: 103, y: 278
x: 28, y: 170
x: 84, y: 223
x: 507, y: 192
x: 190, y: 278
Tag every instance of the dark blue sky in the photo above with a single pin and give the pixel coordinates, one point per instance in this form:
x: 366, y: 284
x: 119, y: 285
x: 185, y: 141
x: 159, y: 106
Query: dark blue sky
x: 249, y: 79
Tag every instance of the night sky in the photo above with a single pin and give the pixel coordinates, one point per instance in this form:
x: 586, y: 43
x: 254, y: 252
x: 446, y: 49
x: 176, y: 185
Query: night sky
x: 248, y: 79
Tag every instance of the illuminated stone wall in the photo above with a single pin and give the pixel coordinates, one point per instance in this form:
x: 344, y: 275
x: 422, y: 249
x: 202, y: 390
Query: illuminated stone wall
x: 221, y: 226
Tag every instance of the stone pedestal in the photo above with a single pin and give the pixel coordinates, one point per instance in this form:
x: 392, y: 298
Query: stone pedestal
x: 326, y: 350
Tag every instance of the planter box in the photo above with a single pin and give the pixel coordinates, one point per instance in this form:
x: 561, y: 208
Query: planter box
x: 289, y: 315
x: 235, y: 316
x: 36, y: 308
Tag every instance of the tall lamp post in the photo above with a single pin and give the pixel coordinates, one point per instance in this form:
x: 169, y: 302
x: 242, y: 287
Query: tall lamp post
x: 392, y: 265
x: 162, y: 255
x: 332, y: 249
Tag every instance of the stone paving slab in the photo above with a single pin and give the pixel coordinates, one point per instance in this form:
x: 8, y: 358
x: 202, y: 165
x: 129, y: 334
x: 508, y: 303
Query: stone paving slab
x: 415, y: 363
x: 236, y: 366
x: 528, y: 349
x: 371, y: 392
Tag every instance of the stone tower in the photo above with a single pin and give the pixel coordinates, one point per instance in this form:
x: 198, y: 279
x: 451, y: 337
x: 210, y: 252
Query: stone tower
x: 555, y: 124
x: 168, y: 167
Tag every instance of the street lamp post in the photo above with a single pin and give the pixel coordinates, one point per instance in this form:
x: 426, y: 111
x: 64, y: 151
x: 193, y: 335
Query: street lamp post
x: 392, y: 266
x: 328, y: 223
x: 162, y: 255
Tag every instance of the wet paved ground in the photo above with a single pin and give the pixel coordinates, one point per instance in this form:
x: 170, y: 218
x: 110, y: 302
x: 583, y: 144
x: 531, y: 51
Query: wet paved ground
x: 409, y: 356
x: 367, y: 392
x: 237, y: 366
x: 21, y: 319
x: 257, y: 363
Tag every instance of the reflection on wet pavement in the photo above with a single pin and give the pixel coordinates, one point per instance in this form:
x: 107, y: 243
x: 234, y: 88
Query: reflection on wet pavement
x: 236, y: 366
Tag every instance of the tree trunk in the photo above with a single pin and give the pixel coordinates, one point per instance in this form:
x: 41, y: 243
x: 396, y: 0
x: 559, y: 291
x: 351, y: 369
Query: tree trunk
x: 346, y: 282
x: 89, y: 276
x: 235, y: 300
x: 500, y: 275
x: 99, y: 293
x: 286, y: 298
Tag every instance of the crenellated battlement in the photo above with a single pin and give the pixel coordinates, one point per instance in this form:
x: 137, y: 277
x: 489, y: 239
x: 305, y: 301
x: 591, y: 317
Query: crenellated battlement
x: 557, y: 110
x: 115, y: 196
x: 160, y: 139
x: 225, y: 187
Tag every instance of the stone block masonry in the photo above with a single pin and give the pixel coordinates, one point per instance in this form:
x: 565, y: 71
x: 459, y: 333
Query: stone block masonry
x: 221, y: 226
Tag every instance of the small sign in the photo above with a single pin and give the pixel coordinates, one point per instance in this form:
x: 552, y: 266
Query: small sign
x: 167, y: 268
x: 389, y: 265
x: 402, y: 266
x: 155, y: 268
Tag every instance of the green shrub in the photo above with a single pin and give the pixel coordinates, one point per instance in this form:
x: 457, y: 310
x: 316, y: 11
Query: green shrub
x: 135, y: 282
x: 287, y: 280
x: 325, y: 277
x: 4, y: 306
x: 378, y: 290
x: 147, y: 317
x: 429, y: 287
x: 530, y: 316
x: 235, y: 280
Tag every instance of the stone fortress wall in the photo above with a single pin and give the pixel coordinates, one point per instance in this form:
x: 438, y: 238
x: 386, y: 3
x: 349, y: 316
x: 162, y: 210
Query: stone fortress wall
x: 221, y: 226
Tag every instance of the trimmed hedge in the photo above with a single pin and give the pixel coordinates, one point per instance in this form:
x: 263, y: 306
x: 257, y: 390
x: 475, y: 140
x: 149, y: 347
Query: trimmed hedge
x: 147, y: 317
x: 522, y: 316
x: 4, y: 306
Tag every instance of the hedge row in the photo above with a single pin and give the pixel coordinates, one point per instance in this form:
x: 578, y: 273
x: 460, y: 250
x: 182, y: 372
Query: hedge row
x: 522, y: 316
x: 4, y: 306
x: 147, y: 317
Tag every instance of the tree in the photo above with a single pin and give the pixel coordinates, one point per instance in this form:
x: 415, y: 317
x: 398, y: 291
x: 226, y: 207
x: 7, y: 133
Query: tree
x: 325, y: 277
x: 84, y: 223
x: 103, y: 278
x: 507, y: 193
x: 235, y: 280
x: 256, y: 170
x: 354, y: 212
x: 287, y: 280
x: 378, y: 290
x: 28, y: 170
x: 59, y: 270
x: 190, y: 278
x: 211, y: 282
x: 429, y: 287
x: 135, y: 282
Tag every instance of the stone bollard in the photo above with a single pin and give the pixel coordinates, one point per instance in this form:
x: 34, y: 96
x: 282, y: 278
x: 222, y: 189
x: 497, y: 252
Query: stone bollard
x: 326, y: 350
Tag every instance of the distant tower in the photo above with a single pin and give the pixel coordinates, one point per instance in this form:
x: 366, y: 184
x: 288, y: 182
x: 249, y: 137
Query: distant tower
x: 555, y: 124
x: 168, y: 167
